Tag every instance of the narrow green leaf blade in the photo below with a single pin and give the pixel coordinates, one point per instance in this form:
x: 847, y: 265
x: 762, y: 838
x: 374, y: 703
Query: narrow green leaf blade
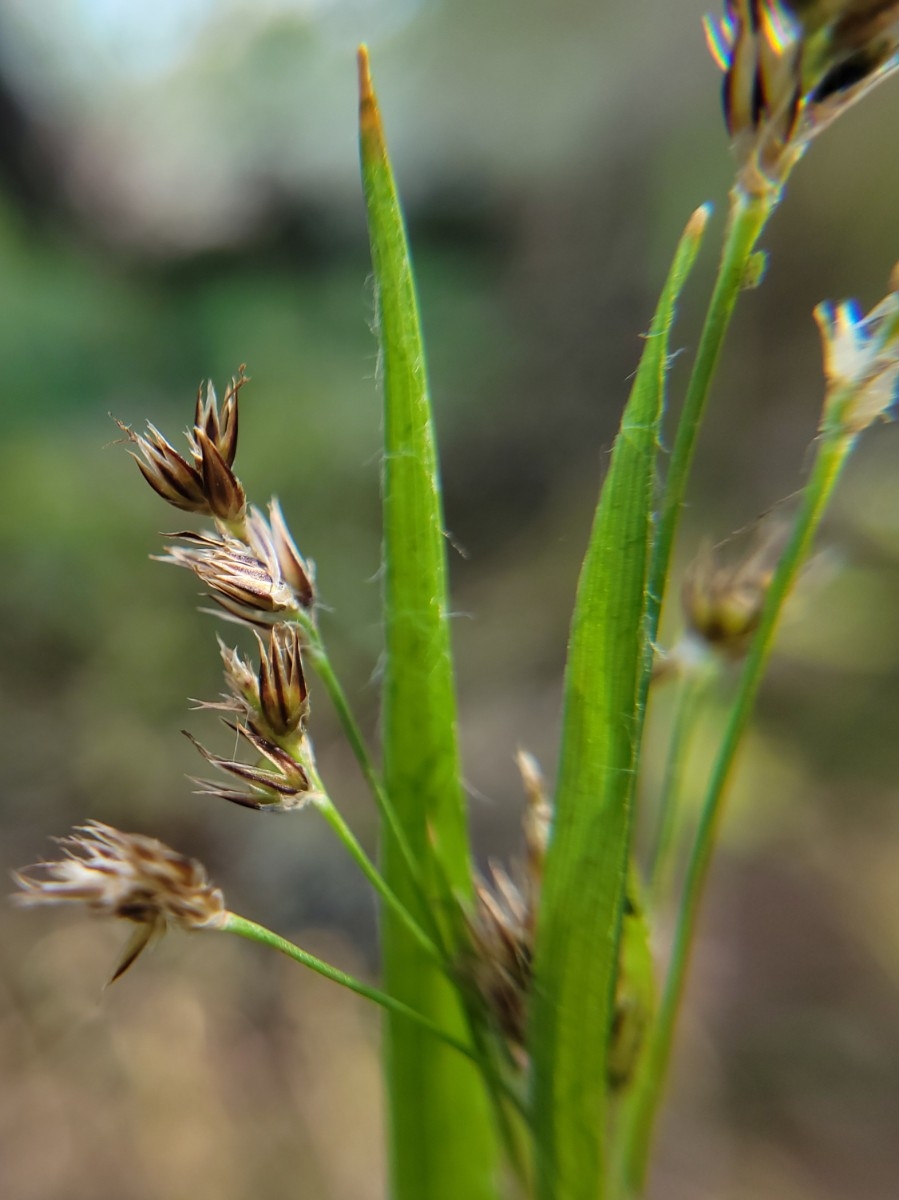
x: 586, y: 867
x: 442, y: 1136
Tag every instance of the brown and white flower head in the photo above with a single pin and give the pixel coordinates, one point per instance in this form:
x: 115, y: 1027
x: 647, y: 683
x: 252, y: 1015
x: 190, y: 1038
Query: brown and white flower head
x: 245, y: 576
x: 286, y: 784
x: 861, y: 360
x: 499, y: 958
x: 723, y: 600
x: 126, y: 875
x: 274, y: 698
x: 792, y: 66
x: 281, y: 685
x: 205, y: 483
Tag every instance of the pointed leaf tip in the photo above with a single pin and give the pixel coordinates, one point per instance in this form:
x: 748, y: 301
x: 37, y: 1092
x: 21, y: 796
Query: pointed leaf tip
x: 369, y: 117
x: 696, y: 225
x: 365, y: 91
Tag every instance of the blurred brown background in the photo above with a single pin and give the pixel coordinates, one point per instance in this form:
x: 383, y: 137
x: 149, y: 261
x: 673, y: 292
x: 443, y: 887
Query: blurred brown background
x: 179, y: 194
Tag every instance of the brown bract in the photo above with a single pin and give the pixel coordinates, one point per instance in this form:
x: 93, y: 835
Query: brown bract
x: 256, y: 578
x: 283, y: 786
x: 205, y: 484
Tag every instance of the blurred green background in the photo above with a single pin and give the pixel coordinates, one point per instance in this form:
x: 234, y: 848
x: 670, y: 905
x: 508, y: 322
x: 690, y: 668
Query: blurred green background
x: 178, y: 195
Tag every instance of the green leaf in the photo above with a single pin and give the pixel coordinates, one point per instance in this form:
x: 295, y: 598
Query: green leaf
x: 605, y: 691
x: 443, y: 1142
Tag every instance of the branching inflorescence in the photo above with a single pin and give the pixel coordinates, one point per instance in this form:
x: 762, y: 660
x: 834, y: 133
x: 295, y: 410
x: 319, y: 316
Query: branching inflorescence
x: 789, y: 70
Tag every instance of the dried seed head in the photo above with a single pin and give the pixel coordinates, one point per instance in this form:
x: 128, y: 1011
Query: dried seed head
x: 723, y: 602
x: 206, y: 484
x: 861, y: 360
x: 244, y: 577
x: 283, y: 787
x: 283, y: 697
x: 499, y: 957
x: 792, y: 68
x: 126, y: 875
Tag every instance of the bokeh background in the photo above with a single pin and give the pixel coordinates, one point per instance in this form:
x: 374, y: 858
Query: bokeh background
x: 179, y: 195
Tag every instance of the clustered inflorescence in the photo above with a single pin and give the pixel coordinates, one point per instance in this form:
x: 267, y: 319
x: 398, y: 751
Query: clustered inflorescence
x: 251, y: 568
x: 789, y: 70
x: 130, y: 876
x: 792, y: 68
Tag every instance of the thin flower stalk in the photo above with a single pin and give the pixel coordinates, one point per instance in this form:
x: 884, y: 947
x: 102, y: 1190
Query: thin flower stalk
x: 746, y: 220
x: 668, y: 818
x: 317, y: 655
x: 641, y: 1107
x: 141, y: 880
x: 331, y: 814
x: 258, y: 933
x: 290, y: 780
x: 787, y: 75
x: 861, y: 366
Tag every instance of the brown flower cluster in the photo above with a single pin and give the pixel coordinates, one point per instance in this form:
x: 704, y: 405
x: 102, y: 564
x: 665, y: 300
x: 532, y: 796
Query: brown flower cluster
x: 126, y: 875
x: 253, y: 570
x: 250, y: 564
x: 499, y: 957
x: 205, y: 483
x: 792, y: 68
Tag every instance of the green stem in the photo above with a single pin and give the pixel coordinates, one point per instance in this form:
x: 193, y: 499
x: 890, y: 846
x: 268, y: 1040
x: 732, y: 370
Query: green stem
x: 687, y: 707
x: 515, y: 1144
x: 746, y: 220
x: 258, y: 933
x: 641, y: 1109
x: 326, y: 807
x: 480, y: 1052
x: 318, y: 655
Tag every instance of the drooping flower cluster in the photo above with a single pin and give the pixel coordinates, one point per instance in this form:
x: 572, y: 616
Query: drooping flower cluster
x: 253, y: 570
x: 126, y: 875
x: 790, y: 69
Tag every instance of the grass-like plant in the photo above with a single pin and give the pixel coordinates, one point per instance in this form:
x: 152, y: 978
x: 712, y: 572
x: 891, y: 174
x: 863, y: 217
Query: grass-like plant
x: 528, y: 1026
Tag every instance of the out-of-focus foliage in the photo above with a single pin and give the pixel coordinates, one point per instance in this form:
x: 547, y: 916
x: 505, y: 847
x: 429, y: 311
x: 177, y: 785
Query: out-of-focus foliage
x: 178, y: 195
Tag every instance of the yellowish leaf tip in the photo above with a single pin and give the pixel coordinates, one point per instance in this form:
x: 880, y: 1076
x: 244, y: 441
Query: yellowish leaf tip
x: 697, y: 223
x: 366, y: 95
x: 369, y: 117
